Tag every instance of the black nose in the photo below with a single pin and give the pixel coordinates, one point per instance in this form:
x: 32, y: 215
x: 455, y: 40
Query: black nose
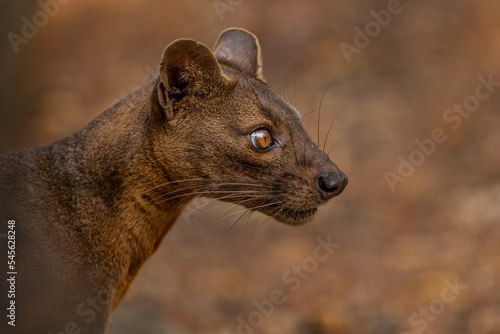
x: 331, y: 184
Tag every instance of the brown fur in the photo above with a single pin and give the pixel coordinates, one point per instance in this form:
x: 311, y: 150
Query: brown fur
x: 91, y: 208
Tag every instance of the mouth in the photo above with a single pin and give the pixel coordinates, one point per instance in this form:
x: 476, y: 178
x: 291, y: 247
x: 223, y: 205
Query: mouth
x: 286, y: 213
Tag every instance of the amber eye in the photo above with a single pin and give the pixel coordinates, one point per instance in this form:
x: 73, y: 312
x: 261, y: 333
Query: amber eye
x: 262, y: 139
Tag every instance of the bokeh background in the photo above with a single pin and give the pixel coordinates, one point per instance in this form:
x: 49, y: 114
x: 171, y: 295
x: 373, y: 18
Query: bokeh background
x: 398, y: 248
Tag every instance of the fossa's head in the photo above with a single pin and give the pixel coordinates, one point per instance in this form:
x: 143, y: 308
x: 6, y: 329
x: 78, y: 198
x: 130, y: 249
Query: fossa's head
x: 225, y: 134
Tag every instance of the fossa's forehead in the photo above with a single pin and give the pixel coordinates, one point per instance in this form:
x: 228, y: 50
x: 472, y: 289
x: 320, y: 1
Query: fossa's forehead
x: 276, y: 104
x: 273, y: 104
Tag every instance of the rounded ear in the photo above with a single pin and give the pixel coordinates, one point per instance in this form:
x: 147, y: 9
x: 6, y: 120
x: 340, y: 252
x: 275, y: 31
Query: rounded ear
x: 187, y: 68
x: 240, y: 49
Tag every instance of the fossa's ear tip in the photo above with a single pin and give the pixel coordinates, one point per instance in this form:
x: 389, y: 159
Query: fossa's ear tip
x: 240, y: 33
x: 240, y: 49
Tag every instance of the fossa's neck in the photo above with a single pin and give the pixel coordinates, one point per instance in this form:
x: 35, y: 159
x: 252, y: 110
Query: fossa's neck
x: 114, y: 161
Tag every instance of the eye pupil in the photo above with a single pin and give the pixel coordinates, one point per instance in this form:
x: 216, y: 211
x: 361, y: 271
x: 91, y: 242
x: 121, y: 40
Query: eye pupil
x: 261, y: 139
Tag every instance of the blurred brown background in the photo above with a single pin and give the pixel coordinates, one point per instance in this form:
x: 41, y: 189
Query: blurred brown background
x: 399, y: 250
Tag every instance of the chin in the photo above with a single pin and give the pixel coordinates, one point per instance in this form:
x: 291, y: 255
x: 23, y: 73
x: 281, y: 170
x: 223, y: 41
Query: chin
x: 293, y: 217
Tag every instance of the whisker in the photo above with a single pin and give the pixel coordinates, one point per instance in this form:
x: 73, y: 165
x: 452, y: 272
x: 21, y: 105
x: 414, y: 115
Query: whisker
x: 321, y: 100
x: 209, y: 201
x: 308, y: 113
x: 234, y: 205
x: 180, y: 190
x: 277, y: 213
x: 214, y: 207
x: 230, y: 228
x: 333, y: 148
x: 255, y: 231
x: 247, y: 220
x: 212, y: 186
x: 244, y: 219
x: 231, y: 207
x: 172, y: 182
x: 210, y: 193
x: 272, y: 173
x: 252, y: 209
x: 242, y: 184
x: 243, y: 201
x: 326, y: 138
